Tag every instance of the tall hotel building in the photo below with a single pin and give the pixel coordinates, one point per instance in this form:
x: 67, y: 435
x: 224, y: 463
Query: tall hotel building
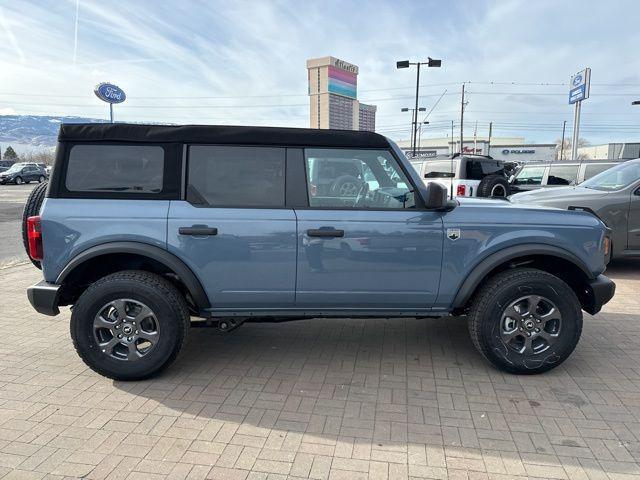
x: 333, y: 88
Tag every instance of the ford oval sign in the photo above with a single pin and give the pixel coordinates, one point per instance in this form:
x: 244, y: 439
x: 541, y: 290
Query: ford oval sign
x: 109, y: 93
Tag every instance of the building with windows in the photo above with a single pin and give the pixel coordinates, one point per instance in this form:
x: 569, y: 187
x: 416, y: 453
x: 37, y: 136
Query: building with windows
x: 333, y: 88
x: 501, y: 148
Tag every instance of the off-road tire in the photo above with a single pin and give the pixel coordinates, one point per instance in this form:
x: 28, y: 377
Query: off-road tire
x: 490, y: 302
x: 162, y: 297
x: 493, y: 184
x: 31, y: 208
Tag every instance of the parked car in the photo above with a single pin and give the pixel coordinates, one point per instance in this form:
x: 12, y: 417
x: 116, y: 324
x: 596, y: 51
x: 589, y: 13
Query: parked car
x: 612, y: 196
x: 146, y: 227
x: 557, y: 174
x: 20, y: 173
x: 466, y: 175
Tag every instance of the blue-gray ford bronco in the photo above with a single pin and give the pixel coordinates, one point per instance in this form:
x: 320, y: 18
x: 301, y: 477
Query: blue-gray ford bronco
x: 145, y: 230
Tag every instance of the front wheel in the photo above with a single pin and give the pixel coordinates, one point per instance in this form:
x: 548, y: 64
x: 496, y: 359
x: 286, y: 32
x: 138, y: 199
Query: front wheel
x: 19, y: 181
x: 41, y: 179
x: 129, y: 325
x: 525, y: 321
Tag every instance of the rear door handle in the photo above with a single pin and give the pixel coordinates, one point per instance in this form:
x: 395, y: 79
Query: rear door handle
x: 325, y: 232
x: 197, y: 230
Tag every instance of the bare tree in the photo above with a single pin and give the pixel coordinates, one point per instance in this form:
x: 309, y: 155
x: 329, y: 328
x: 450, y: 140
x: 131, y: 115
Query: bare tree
x: 564, y: 150
x: 45, y: 156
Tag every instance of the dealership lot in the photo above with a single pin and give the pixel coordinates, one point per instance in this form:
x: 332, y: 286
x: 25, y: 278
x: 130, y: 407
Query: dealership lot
x: 12, y: 199
x: 331, y: 398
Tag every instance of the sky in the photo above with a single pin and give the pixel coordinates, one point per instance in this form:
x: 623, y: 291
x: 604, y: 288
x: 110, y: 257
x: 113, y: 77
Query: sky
x: 244, y: 62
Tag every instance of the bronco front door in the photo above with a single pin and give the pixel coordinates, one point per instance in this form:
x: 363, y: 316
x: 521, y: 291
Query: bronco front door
x: 362, y: 244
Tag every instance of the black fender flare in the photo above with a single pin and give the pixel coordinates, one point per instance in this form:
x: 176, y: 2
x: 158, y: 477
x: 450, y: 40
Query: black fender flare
x: 158, y: 254
x: 486, y: 265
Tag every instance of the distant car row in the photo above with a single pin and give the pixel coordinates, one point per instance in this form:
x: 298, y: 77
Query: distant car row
x: 610, y: 190
x: 483, y: 176
x: 24, y: 172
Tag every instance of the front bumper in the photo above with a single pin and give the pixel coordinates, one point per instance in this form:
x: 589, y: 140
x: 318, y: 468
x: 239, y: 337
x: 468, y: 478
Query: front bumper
x: 598, y: 292
x: 44, y: 297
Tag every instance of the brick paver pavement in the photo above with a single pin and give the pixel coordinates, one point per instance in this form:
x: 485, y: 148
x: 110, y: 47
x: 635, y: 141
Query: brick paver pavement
x: 338, y: 399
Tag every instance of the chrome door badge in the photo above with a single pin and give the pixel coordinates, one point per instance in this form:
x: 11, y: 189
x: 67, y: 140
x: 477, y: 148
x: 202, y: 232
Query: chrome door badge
x: 453, y: 233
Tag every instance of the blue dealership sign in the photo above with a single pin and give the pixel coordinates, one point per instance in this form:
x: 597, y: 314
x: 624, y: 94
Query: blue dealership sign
x: 580, y: 86
x: 109, y: 93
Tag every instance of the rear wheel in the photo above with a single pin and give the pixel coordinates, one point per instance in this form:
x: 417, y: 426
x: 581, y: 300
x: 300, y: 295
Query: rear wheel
x: 525, y: 321
x: 19, y: 181
x: 129, y: 325
x: 31, y: 208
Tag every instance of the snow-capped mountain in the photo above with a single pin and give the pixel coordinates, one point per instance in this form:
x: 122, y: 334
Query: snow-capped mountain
x: 34, y: 130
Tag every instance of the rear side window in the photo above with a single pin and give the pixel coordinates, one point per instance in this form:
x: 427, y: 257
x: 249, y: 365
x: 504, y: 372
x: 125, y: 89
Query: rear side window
x: 593, y: 169
x: 562, y: 175
x: 436, y: 169
x: 236, y: 176
x: 478, y: 169
x: 130, y: 169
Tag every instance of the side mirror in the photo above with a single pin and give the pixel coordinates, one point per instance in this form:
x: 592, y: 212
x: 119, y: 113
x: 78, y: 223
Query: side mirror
x: 436, y: 197
x: 512, y: 178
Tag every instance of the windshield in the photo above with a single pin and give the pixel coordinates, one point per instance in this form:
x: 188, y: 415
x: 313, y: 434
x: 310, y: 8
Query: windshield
x: 615, y: 178
x: 16, y: 167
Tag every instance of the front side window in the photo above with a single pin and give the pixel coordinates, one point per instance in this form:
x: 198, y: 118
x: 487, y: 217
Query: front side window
x: 136, y: 169
x: 221, y: 176
x: 529, y: 176
x: 562, y: 175
x: 339, y: 178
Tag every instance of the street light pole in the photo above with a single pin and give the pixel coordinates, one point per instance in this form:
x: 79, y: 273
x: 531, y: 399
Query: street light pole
x: 432, y: 62
x: 415, y: 111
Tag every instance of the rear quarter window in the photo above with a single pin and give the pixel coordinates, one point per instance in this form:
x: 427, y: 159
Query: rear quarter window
x: 121, y: 171
x: 115, y: 168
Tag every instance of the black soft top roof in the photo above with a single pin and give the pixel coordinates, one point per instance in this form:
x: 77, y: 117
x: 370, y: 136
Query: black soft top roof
x: 219, y: 134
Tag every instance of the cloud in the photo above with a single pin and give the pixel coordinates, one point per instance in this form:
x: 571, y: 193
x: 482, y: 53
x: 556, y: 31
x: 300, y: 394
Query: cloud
x: 251, y: 57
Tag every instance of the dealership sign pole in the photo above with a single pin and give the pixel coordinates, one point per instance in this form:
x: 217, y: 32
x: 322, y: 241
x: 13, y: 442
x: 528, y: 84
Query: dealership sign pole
x: 111, y: 94
x: 578, y: 91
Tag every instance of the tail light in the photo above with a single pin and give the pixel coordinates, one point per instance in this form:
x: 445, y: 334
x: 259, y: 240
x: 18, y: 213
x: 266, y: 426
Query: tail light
x: 461, y: 190
x: 34, y: 235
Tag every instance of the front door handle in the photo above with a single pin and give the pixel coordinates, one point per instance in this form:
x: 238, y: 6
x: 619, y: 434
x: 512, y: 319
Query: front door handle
x: 325, y: 232
x: 198, y: 230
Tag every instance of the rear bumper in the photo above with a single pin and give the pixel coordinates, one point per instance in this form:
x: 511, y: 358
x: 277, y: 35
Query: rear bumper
x: 598, y: 292
x: 43, y: 296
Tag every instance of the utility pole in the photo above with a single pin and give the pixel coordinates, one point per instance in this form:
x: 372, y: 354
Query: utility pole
x: 564, y: 126
x: 475, y: 138
x: 462, y: 121
x: 489, y: 139
x: 453, y: 142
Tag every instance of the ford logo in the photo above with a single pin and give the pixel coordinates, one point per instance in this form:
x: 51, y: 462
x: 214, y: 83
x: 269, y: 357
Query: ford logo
x: 109, y: 93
